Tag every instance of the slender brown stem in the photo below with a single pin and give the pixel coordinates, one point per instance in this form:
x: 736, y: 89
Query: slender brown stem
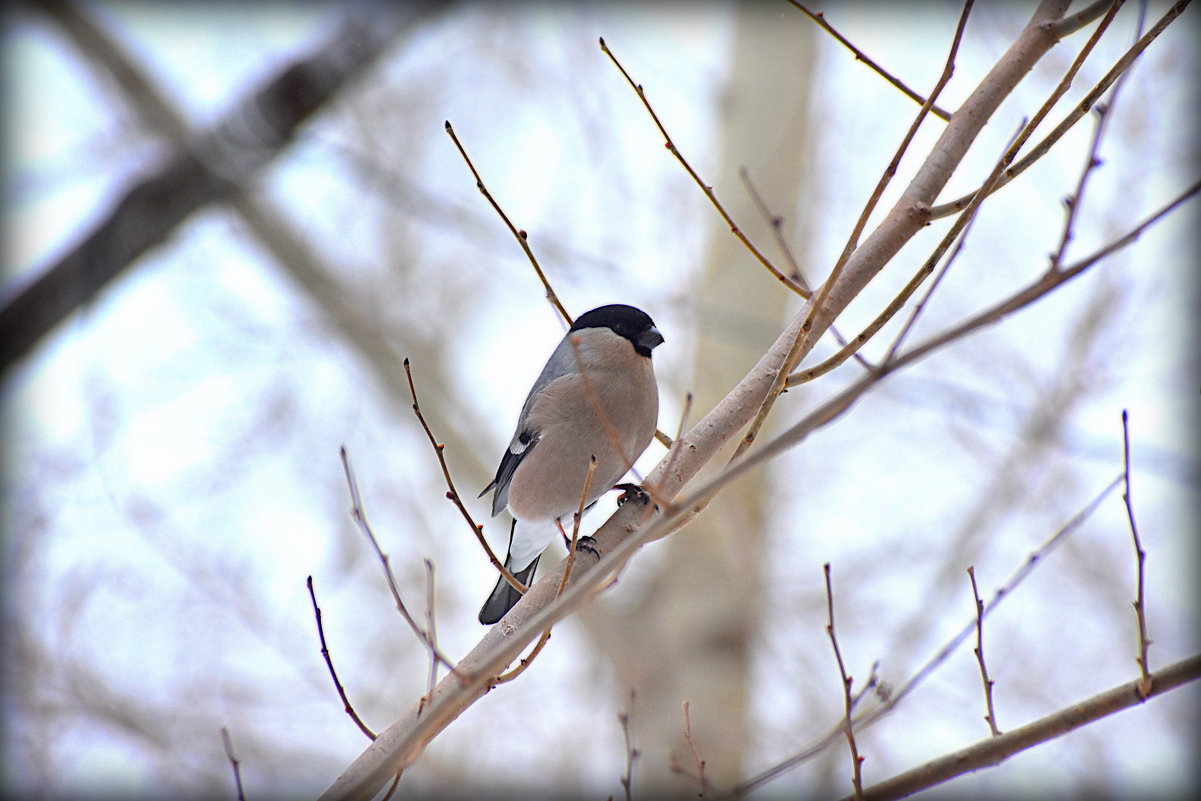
x: 623, y: 717
x: 706, y: 188
x: 701, y: 779
x: 520, y: 235
x: 235, y: 764
x: 991, y: 714
x: 1140, y: 608
x: 820, y: 19
x: 848, y: 726
x: 333, y: 674
x: 453, y: 494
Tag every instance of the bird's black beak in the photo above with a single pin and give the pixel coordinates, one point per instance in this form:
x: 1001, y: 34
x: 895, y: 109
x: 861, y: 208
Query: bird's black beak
x: 649, y: 339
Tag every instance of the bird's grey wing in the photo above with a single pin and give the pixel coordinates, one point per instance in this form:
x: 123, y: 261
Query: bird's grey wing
x: 561, y: 362
x: 523, y: 442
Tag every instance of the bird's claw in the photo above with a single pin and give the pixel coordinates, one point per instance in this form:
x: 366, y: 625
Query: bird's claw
x: 631, y: 492
x: 587, y: 544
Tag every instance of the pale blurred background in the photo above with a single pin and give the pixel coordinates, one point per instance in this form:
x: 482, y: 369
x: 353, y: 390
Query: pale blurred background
x: 171, y: 449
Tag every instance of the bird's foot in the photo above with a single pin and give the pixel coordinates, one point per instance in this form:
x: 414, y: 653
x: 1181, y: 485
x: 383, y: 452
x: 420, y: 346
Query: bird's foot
x: 631, y: 492
x: 587, y: 544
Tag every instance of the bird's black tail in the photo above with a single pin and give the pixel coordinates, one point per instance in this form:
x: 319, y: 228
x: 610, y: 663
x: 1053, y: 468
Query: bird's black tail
x: 504, y: 596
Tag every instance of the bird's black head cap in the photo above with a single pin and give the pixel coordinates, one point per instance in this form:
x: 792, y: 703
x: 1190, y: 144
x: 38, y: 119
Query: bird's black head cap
x: 632, y: 323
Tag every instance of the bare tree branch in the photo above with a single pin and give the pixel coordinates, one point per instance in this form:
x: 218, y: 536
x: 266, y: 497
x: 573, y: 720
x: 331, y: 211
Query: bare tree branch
x: 627, y: 530
x: 995, y: 750
x: 210, y: 167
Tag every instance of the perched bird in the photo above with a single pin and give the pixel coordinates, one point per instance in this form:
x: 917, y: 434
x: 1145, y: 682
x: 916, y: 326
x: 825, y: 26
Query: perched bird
x: 596, y: 397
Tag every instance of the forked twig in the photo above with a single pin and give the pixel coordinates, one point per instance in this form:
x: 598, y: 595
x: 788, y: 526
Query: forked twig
x: 329, y: 663
x: 453, y: 494
x: 706, y: 188
x: 991, y: 715
x: 848, y: 726
x: 676, y: 767
x: 520, y: 235
x: 235, y: 763
x: 1140, y: 609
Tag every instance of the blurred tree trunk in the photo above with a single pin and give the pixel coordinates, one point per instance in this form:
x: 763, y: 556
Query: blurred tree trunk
x: 691, y: 637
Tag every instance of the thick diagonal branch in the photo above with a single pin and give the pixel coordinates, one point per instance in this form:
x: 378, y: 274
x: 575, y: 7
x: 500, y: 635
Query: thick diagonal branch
x: 210, y: 167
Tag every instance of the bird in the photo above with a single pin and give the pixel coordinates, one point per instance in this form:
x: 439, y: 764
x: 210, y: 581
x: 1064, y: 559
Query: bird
x: 596, y: 398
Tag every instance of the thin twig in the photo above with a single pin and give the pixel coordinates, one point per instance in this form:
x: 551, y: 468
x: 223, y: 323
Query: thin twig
x: 431, y: 624
x: 776, y: 223
x: 392, y: 788
x: 676, y: 767
x: 1074, y: 201
x: 991, y: 714
x: 820, y: 19
x: 632, y: 753
x: 871, y: 716
x: 1140, y: 609
x: 520, y: 235
x: 706, y: 188
x: 360, y: 518
x: 451, y: 492
x: 677, y: 445
x: 329, y: 663
x: 234, y: 762
x: 848, y: 702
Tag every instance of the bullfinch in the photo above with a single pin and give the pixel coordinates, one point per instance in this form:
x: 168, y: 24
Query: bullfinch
x: 596, y: 397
